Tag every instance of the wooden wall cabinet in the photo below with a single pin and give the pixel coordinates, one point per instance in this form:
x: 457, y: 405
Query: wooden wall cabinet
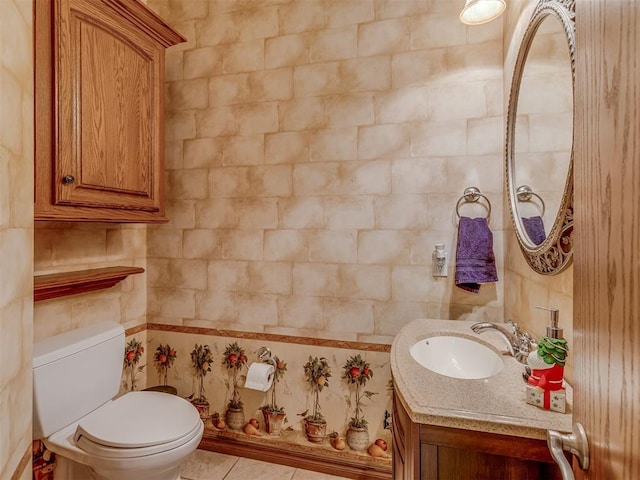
x: 99, y: 87
x: 431, y: 452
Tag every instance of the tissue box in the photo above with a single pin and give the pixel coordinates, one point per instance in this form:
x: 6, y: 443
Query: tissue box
x: 557, y: 399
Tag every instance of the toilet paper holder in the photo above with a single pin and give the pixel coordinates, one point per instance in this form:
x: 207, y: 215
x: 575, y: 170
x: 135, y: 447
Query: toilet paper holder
x: 258, y: 377
x: 264, y: 354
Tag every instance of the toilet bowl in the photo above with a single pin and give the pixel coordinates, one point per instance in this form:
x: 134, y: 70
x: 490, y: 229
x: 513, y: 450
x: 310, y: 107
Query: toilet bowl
x: 138, y: 436
x: 125, y: 439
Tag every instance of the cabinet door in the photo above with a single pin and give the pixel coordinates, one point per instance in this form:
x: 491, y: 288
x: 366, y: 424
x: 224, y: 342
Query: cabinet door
x: 108, y: 101
x: 454, y: 453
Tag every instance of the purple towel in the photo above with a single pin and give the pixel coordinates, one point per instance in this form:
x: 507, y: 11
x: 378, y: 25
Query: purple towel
x: 534, y: 226
x: 475, y: 261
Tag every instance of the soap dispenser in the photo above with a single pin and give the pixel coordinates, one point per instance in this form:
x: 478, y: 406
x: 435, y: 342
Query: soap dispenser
x: 545, y: 383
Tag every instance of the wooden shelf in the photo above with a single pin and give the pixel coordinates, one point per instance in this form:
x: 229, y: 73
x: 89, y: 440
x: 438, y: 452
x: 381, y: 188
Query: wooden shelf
x: 70, y: 283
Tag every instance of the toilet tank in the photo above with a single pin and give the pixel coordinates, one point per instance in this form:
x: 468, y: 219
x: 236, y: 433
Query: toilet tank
x: 74, y: 373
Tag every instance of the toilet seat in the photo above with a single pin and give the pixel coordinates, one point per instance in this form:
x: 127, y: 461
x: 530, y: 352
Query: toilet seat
x: 138, y: 424
x: 98, y: 450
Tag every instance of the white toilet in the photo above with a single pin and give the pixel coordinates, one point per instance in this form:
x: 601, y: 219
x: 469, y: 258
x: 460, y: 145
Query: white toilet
x: 138, y: 436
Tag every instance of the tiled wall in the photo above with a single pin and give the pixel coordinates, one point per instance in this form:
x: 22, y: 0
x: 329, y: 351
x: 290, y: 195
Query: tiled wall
x: 315, y: 154
x: 16, y: 236
x: 526, y: 288
x: 63, y: 246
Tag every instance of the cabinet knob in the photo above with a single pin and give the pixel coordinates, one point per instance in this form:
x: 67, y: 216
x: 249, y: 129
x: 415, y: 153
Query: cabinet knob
x: 68, y: 179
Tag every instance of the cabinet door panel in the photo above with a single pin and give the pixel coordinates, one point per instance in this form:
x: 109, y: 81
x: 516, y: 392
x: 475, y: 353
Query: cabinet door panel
x: 480, y: 466
x: 115, y: 111
x: 107, y: 101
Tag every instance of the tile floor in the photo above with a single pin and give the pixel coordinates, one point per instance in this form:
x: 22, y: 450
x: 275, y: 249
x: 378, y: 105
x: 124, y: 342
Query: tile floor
x: 203, y: 465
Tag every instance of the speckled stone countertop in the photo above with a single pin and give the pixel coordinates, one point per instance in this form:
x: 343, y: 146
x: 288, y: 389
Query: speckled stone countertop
x: 496, y: 404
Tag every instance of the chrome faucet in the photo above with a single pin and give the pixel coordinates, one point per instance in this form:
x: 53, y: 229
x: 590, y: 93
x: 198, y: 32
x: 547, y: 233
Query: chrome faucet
x: 520, y: 344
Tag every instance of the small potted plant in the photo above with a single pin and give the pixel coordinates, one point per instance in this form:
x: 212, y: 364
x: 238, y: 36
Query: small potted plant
x: 163, y: 358
x: 274, y: 416
x: 317, y: 373
x: 132, y: 353
x: 234, y: 359
x: 201, y: 359
x: 357, y: 373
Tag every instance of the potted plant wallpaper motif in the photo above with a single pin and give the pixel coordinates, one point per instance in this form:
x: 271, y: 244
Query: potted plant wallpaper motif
x: 234, y: 358
x: 357, y: 373
x: 132, y: 353
x: 275, y: 416
x: 201, y: 359
x: 163, y: 358
x: 317, y: 373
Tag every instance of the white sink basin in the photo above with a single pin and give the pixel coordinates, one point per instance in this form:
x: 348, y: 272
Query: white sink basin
x: 457, y: 357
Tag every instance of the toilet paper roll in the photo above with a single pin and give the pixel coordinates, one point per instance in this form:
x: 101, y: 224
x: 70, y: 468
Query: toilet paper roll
x: 260, y: 376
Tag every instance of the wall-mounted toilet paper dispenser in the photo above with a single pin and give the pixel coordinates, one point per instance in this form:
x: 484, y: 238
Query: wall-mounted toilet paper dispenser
x: 261, y: 375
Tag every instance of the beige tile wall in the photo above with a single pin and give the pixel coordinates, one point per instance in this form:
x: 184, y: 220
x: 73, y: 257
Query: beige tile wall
x: 316, y: 152
x: 16, y: 234
x: 61, y: 246
x: 525, y: 288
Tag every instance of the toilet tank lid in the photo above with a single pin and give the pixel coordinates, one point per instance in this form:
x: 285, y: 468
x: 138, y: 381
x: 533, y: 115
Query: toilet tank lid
x: 74, y: 341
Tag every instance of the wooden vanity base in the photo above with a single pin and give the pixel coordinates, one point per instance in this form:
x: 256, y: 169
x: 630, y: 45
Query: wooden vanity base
x: 430, y: 452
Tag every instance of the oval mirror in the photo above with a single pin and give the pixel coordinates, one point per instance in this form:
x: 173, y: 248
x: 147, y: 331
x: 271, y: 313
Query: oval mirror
x: 539, y: 140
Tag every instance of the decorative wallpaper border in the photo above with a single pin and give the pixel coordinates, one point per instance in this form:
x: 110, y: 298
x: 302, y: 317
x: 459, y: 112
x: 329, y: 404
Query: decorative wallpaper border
x: 318, y: 342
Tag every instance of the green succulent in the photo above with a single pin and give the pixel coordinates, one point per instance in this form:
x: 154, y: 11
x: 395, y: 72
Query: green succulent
x: 553, y: 351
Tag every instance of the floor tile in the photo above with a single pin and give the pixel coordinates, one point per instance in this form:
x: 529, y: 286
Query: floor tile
x: 252, y: 469
x: 309, y: 475
x: 203, y: 465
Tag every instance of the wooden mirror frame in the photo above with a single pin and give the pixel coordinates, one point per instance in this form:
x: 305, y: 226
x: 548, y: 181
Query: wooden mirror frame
x: 556, y: 252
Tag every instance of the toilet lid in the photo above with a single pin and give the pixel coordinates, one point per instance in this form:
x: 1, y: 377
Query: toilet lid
x: 139, y: 419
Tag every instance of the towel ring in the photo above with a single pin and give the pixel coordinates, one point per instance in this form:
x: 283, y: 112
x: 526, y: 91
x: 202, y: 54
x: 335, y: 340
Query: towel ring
x: 472, y: 194
x: 524, y: 194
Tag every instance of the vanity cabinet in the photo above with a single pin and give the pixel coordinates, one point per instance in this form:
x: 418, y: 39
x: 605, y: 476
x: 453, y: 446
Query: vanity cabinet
x: 99, y: 87
x: 433, y: 452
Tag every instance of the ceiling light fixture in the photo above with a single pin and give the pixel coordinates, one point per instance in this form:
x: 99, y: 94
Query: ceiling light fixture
x: 477, y: 12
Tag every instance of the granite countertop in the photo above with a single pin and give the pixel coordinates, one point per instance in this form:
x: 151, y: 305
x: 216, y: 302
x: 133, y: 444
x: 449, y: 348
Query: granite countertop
x: 496, y: 404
